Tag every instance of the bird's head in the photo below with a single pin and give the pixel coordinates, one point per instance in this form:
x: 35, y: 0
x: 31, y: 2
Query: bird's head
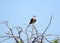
x: 34, y: 17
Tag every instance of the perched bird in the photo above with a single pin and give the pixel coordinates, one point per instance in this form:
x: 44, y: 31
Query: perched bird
x: 33, y: 20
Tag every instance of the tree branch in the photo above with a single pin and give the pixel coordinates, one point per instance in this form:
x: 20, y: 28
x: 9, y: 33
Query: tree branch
x: 46, y: 29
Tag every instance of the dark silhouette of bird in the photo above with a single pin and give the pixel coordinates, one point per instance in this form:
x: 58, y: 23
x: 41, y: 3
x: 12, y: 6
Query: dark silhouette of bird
x: 33, y: 20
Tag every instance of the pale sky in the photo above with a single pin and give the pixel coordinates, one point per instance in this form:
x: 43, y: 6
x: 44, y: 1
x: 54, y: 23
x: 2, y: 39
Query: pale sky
x: 19, y: 12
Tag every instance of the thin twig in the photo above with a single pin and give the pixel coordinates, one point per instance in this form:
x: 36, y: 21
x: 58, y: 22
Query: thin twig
x: 48, y: 40
x: 4, y: 40
x: 27, y: 33
x: 46, y: 29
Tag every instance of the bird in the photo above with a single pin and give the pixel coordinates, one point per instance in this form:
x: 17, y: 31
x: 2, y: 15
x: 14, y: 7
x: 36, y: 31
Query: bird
x: 33, y: 20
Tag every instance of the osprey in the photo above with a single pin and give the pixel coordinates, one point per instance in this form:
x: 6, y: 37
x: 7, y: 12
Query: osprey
x: 33, y: 20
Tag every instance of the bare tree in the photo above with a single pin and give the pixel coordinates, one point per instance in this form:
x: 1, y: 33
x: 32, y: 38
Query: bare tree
x: 33, y: 37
